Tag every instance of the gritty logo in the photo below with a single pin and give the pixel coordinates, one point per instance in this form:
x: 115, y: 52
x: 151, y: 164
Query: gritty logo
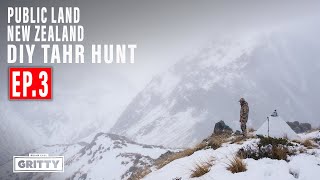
x: 38, y: 163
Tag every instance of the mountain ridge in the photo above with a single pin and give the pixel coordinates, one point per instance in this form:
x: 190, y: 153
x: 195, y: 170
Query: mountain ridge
x: 179, y: 107
x: 85, y: 160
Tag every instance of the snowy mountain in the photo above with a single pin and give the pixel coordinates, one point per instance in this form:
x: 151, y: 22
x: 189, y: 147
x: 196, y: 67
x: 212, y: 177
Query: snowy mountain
x: 73, y: 114
x: 270, y: 70
x: 106, y: 156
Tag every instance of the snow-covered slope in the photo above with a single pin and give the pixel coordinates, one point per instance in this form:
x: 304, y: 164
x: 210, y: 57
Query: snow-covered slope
x: 315, y: 134
x: 272, y: 71
x: 304, y: 166
x: 107, y: 156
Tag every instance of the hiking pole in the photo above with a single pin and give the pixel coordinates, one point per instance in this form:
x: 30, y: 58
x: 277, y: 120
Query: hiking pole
x: 268, y: 126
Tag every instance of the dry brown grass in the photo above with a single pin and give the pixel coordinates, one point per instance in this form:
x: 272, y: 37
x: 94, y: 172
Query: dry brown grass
x: 308, y: 144
x: 160, y: 163
x: 251, y: 130
x: 238, y: 139
x: 140, y: 174
x: 200, y: 146
x: 296, y: 141
x: 280, y: 153
x: 201, y: 169
x: 181, y: 154
x: 214, y: 142
x: 237, y: 165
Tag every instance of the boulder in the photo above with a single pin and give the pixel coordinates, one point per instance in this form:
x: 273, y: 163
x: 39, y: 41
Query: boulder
x: 299, y: 127
x: 166, y: 155
x: 221, y: 128
x: 305, y: 127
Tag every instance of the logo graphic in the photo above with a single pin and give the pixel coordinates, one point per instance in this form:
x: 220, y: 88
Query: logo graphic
x: 38, y: 163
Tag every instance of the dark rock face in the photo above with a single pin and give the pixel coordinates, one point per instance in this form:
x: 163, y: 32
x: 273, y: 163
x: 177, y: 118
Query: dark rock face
x: 237, y: 133
x: 166, y: 155
x: 299, y: 127
x: 222, y: 128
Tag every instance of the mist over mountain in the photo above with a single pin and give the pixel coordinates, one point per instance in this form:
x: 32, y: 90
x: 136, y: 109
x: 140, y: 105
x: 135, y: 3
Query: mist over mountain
x: 13, y: 137
x: 76, y: 112
x: 271, y: 70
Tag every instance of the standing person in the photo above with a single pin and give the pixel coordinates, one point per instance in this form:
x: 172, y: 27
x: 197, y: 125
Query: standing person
x: 244, y: 114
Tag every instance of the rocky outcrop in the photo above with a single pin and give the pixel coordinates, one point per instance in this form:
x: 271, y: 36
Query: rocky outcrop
x: 237, y: 133
x: 299, y: 127
x: 222, y: 128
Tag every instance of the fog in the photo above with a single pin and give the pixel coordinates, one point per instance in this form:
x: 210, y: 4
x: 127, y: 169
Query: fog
x: 89, y: 97
x: 167, y: 31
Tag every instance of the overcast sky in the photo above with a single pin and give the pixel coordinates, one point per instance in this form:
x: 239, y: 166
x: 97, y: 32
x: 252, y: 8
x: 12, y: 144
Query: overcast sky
x: 165, y: 31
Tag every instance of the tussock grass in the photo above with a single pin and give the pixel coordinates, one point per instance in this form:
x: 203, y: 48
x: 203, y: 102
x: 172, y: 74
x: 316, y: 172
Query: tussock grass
x: 200, y: 146
x: 213, y: 142
x: 140, y: 174
x: 251, y: 130
x: 237, y: 165
x: 216, y: 141
x: 181, y: 154
x: 280, y: 153
x: 238, y: 139
x: 201, y: 169
x: 308, y: 143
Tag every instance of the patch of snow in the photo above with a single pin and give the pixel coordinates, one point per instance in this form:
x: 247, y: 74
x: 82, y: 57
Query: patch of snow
x: 312, y: 135
x: 300, y: 167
